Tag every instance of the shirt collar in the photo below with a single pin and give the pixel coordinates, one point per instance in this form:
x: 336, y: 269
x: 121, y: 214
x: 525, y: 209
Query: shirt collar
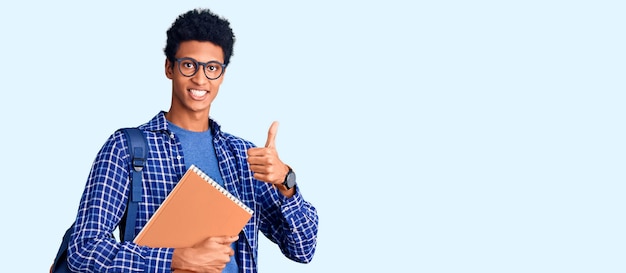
x: 159, y: 123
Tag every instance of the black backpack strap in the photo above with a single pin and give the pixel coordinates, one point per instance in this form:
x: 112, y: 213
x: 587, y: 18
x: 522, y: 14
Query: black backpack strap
x: 139, y: 155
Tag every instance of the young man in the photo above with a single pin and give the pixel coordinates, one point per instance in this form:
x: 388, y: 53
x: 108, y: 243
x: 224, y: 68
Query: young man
x: 198, y: 50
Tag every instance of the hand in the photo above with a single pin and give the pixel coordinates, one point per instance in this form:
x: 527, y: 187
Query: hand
x: 265, y: 163
x: 208, y: 256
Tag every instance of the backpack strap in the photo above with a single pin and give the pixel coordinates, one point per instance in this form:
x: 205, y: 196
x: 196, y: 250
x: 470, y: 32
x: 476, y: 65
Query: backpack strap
x: 60, y: 261
x: 139, y: 155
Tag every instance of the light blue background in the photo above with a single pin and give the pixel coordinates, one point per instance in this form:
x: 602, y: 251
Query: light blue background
x: 432, y: 136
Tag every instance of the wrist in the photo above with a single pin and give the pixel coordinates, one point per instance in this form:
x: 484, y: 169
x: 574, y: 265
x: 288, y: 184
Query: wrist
x: 290, y: 179
x: 179, y: 260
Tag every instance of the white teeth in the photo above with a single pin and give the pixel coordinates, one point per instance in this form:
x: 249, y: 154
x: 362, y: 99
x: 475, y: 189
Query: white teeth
x: 198, y: 93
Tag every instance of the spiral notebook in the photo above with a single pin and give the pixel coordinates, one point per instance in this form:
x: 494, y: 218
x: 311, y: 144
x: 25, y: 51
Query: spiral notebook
x: 197, y: 208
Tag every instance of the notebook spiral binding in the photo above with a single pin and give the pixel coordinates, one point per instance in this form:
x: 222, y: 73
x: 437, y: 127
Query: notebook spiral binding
x: 220, y: 188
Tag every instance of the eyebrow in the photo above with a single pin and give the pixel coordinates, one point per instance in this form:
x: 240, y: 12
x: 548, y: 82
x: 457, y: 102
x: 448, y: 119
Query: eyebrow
x: 214, y: 60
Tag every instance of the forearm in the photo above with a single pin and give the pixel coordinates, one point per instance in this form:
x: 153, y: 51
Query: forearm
x: 105, y: 254
x: 297, y: 236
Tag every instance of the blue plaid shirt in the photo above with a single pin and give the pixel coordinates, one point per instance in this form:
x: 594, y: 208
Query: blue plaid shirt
x: 289, y: 222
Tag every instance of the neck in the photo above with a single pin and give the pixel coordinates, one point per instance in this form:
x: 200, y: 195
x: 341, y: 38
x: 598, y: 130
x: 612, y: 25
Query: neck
x: 191, y: 121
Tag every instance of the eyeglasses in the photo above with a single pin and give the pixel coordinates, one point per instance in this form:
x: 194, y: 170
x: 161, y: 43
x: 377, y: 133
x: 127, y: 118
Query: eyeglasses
x: 189, y: 67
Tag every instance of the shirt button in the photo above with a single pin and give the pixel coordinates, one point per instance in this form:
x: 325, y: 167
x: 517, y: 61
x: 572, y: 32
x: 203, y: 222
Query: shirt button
x: 178, y: 157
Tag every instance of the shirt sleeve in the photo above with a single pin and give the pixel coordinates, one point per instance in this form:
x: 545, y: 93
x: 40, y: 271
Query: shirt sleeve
x: 103, y: 203
x: 291, y: 223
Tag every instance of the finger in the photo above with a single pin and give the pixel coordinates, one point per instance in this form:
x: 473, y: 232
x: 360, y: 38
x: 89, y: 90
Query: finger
x: 271, y: 135
x: 224, y: 240
x: 231, y: 239
x: 252, y: 152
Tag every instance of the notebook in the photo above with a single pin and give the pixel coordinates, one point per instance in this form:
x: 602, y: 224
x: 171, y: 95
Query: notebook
x: 197, y: 208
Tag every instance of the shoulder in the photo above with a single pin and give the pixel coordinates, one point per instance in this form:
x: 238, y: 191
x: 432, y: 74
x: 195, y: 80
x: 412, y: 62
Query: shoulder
x: 115, y: 147
x: 228, y: 139
x: 235, y: 141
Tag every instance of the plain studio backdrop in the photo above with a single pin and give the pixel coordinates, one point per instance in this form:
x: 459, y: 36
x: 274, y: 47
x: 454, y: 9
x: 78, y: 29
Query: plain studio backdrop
x: 432, y: 136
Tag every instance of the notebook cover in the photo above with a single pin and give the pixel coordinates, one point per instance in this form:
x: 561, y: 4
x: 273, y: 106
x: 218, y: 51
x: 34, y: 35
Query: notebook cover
x: 196, y: 208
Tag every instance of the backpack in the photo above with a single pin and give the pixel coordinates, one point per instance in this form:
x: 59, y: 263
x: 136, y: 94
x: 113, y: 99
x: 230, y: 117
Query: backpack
x: 139, y: 155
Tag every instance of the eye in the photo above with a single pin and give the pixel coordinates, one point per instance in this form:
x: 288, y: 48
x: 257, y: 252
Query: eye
x: 187, y: 64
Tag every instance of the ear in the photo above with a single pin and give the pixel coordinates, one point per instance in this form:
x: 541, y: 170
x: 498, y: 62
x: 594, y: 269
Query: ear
x: 169, y: 69
x: 224, y: 73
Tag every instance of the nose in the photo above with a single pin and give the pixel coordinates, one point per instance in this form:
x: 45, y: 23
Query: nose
x: 199, y: 78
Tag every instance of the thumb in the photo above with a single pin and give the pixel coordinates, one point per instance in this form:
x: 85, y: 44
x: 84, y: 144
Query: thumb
x: 271, y: 135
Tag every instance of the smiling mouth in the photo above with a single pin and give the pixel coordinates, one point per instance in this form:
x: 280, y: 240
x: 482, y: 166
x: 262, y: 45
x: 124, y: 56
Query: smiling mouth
x: 196, y: 93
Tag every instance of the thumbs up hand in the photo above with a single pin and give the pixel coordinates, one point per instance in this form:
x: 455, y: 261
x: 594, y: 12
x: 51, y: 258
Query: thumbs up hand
x: 265, y: 163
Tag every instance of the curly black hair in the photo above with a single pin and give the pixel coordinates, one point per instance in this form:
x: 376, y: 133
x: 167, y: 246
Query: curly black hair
x: 200, y: 25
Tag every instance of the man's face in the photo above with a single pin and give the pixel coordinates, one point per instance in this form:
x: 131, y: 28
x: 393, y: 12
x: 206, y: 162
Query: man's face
x: 196, y: 93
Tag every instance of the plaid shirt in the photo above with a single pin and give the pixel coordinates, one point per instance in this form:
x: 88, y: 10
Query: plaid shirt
x: 290, y: 222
